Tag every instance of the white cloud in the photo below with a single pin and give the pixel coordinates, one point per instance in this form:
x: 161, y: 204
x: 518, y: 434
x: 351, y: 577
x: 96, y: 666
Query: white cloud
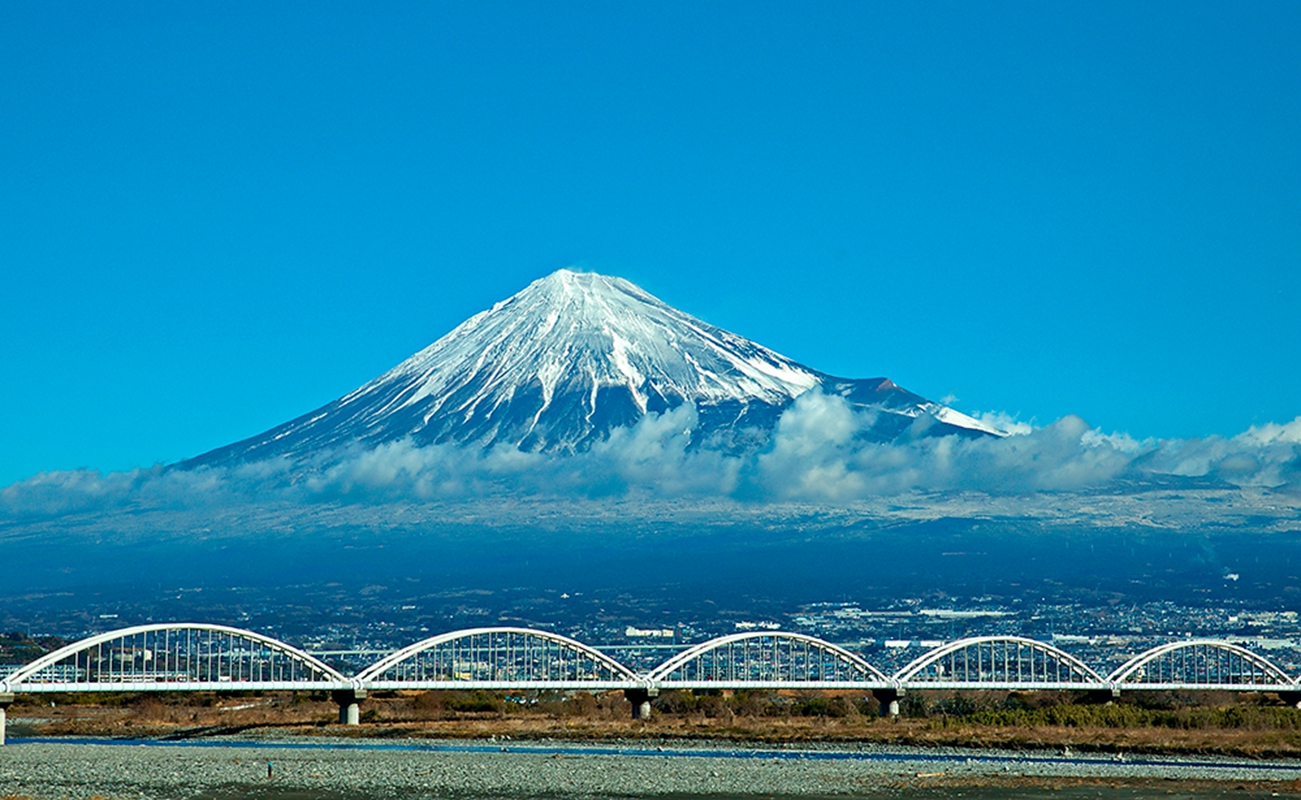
x: 1266, y: 455
x: 812, y: 451
x: 1005, y: 422
x: 1117, y: 441
x: 820, y: 451
x: 1271, y: 433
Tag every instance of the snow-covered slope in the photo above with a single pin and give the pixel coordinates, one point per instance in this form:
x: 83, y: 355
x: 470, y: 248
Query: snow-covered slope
x: 556, y: 367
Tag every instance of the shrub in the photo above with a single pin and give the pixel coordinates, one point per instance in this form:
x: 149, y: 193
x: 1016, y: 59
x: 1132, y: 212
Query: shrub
x: 820, y: 706
x: 473, y: 702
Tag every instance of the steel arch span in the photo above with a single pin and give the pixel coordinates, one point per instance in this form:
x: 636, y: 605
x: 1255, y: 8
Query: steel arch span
x: 499, y: 658
x: 1201, y: 664
x: 769, y: 660
x: 998, y: 662
x: 175, y: 657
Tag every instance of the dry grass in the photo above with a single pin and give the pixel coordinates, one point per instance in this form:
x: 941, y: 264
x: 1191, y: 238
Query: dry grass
x: 606, y: 716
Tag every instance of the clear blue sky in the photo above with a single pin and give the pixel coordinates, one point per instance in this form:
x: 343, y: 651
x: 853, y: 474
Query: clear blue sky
x: 217, y: 216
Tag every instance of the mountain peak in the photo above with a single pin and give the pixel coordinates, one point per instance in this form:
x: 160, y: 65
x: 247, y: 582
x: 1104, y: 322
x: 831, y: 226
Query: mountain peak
x: 567, y: 286
x: 603, y: 335
x: 579, y: 296
x: 574, y: 355
x: 574, y: 280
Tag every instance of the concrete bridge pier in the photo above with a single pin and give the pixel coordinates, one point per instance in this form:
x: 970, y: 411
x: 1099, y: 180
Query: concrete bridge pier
x: 348, y: 700
x: 889, y: 700
x: 640, y: 700
x: 1104, y: 697
x: 6, y: 700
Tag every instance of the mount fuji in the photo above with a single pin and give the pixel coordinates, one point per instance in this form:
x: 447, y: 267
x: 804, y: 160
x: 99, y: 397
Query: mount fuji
x: 573, y: 356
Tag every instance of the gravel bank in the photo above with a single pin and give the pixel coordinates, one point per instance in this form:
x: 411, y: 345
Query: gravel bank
x: 238, y: 768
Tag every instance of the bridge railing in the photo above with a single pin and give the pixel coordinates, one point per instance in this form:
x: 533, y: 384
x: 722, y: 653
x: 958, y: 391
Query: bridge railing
x: 1202, y: 664
x: 767, y: 659
x: 993, y: 662
x: 197, y: 656
x: 174, y: 657
x: 492, y: 658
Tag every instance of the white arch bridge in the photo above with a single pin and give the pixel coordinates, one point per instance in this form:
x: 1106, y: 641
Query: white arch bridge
x: 188, y: 657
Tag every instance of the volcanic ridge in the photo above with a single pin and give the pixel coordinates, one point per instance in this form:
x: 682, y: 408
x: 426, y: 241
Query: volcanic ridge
x: 575, y: 355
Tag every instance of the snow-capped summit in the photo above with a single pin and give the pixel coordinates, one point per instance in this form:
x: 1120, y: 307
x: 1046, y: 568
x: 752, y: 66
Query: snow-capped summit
x: 574, y: 355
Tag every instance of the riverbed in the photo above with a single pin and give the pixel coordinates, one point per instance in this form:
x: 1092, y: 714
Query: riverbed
x: 225, y: 769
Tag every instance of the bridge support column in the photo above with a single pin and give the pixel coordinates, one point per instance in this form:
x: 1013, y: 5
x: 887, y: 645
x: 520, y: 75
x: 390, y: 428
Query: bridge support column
x: 6, y: 700
x: 1291, y: 698
x: 1104, y: 696
x: 889, y: 700
x: 347, y: 700
x: 640, y: 700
